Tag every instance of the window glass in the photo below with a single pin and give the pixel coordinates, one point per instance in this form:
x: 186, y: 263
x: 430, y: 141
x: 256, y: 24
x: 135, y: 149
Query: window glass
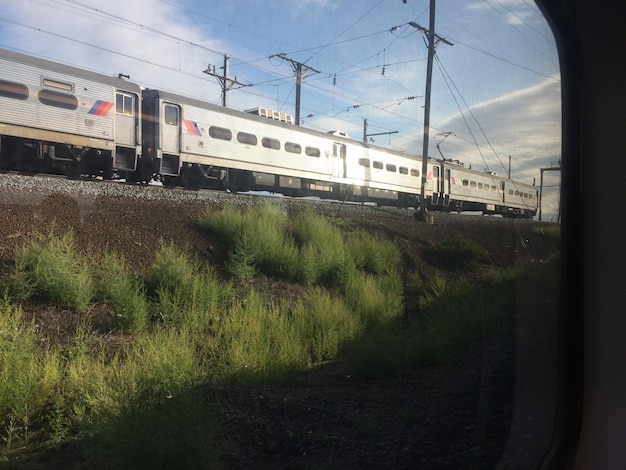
x: 465, y: 182
x: 293, y: 148
x: 124, y: 104
x: 472, y: 184
x: 245, y: 138
x: 378, y: 165
x: 59, y: 100
x: 270, y: 143
x: 364, y: 162
x: 57, y: 84
x: 13, y: 90
x: 312, y: 152
x: 220, y: 133
x: 404, y: 170
x: 391, y: 167
x: 171, y: 115
x: 415, y: 172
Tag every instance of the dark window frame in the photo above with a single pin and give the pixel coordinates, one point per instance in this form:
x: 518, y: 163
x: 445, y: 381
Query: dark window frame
x: 57, y: 99
x: 270, y: 143
x: 13, y: 90
x: 247, y: 138
x: 292, y: 147
x: 167, y: 115
x: 312, y: 152
x: 220, y: 133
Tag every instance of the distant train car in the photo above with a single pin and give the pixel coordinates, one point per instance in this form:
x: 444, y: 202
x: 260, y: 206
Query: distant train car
x: 485, y: 191
x: 53, y: 116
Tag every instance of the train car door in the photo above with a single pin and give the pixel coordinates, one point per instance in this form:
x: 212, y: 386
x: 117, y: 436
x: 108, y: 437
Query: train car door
x: 435, y: 180
x: 339, y: 160
x: 125, y: 120
x: 445, y: 186
x: 170, y: 129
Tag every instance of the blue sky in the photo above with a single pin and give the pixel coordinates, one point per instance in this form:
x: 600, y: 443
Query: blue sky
x: 496, y: 89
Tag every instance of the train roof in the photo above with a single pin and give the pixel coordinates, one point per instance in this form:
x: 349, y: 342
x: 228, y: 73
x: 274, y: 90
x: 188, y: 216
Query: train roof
x: 50, y: 65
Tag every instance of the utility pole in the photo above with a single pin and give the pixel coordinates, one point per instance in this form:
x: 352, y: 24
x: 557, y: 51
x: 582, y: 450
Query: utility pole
x: 300, y: 70
x: 226, y: 83
x: 429, y: 72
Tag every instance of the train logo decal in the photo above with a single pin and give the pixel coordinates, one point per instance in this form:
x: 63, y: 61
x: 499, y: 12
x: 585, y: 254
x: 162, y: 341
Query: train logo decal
x: 101, y: 108
x: 192, y: 127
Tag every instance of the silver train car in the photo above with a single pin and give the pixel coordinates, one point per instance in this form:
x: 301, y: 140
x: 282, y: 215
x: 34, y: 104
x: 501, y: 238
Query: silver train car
x: 53, y: 116
x: 57, y: 117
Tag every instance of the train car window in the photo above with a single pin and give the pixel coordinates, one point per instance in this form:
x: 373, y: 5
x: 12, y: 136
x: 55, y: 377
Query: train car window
x: 436, y: 172
x: 364, y: 162
x: 312, y: 152
x: 124, y: 104
x: 510, y: 192
x: 293, y: 148
x: 391, y: 167
x: 57, y: 84
x: 270, y: 143
x: 245, y: 138
x: 403, y: 170
x: 171, y: 115
x: 220, y: 133
x: 472, y: 184
x: 57, y: 99
x: 480, y: 186
x: 415, y: 172
x: 465, y: 182
x: 493, y: 188
x: 378, y: 165
x: 13, y: 90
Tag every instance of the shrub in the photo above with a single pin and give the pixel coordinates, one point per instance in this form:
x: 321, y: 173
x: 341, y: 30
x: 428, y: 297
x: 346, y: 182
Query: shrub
x: 51, y: 267
x: 373, y: 254
x: 376, y: 299
x: 456, y: 252
x: 29, y: 378
x: 125, y: 294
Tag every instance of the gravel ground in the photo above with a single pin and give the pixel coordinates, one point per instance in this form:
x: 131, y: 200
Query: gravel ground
x: 435, y: 417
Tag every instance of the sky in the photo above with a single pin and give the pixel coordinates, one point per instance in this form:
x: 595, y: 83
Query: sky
x: 495, y: 87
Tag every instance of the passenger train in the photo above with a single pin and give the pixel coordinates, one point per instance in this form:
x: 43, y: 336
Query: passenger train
x: 55, y: 117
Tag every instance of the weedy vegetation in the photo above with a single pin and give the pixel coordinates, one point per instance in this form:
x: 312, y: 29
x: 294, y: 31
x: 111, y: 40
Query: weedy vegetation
x: 181, y: 325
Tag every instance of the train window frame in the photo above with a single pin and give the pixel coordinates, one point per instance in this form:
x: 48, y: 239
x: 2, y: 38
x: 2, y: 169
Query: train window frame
x: 378, y: 165
x: 169, y: 112
x: 364, y: 162
x: 415, y: 172
x: 465, y: 182
x: 403, y: 170
x: 391, y: 168
x: 270, y: 143
x: 312, y: 152
x: 124, y: 104
x: 50, y: 82
x: 13, y: 90
x: 247, y: 138
x: 292, y: 147
x: 220, y: 133
x: 57, y: 99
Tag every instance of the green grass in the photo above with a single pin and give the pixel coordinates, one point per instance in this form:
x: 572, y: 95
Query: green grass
x: 51, y: 267
x: 456, y: 253
x: 181, y: 325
